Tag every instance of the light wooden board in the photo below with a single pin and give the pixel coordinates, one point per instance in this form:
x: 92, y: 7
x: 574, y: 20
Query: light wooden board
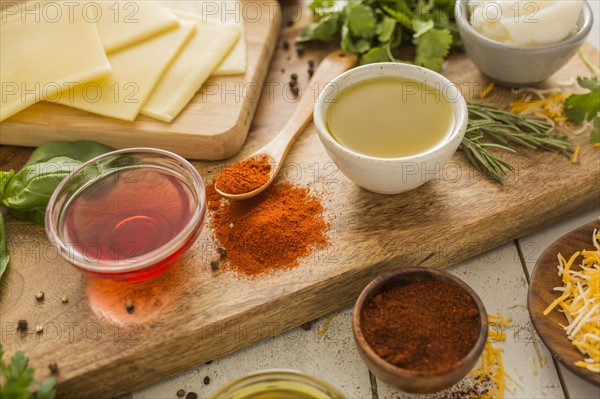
x: 190, y: 315
x: 213, y: 126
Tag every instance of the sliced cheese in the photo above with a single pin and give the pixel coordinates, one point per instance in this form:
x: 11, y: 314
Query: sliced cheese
x: 235, y: 62
x: 44, y: 50
x: 208, y: 46
x: 223, y: 11
x: 136, y: 71
x: 122, y: 23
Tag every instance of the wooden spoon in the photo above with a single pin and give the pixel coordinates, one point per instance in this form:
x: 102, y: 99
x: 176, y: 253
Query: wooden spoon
x: 277, y: 149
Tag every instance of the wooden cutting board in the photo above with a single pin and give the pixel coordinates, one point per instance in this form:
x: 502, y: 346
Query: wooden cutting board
x: 214, y: 125
x: 190, y: 314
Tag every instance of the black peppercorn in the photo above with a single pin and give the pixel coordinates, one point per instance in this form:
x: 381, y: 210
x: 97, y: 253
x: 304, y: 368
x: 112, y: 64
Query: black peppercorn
x: 294, y: 77
x: 53, y: 367
x: 311, y: 63
x: 222, y: 251
x: 206, y: 380
x: 129, y: 307
x: 311, y: 72
x: 306, y: 326
x: 180, y: 393
x: 214, y: 265
x: 22, y: 325
x: 286, y: 45
x: 299, y: 51
x: 191, y: 395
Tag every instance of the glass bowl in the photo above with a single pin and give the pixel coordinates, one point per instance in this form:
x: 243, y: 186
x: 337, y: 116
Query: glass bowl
x: 277, y: 384
x: 128, y: 214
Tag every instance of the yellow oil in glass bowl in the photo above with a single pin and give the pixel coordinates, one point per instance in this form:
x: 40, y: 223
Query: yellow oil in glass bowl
x: 278, y: 384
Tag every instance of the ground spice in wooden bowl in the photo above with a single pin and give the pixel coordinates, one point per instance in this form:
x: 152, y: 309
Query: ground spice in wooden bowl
x: 420, y: 330
x: 423, y: 325
x: 245, y: 176
x: 271, y: 231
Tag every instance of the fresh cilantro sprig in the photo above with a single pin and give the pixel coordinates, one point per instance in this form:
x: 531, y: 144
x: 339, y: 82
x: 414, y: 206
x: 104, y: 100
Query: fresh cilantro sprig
x: 17, y: 381
x: 376, y: 29
x: 580, y: 107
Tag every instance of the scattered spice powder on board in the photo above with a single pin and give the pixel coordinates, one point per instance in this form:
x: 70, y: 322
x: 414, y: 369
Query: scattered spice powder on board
x: 245, y: 176
x: 422, y: 325
x: 270, y: 231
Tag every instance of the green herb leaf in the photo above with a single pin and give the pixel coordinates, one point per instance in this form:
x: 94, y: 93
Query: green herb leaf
x: 376, y: 54
x: 421, y: 27
x: 81, y: 151
x: 580, y: 107
x: 350, y: 44
x: 595, y: 136
x: 27, y: 193
x: 432, y: 48
x: 385, y: 29
x: 360, y: 19
x: 4, y: 178
x: 401, y: 14
x: 18, y: 382
x: 324, y: 30
x: 4, y: 255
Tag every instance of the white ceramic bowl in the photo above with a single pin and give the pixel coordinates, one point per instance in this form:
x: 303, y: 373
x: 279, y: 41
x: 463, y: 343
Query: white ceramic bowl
x: 391, y: 175
x: 519, y: 65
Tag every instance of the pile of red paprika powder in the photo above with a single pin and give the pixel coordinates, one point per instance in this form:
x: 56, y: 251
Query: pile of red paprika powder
x: 424, y: 326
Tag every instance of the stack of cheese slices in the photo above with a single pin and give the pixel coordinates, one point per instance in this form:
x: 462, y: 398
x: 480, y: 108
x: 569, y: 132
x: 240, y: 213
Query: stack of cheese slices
x: 114, y: 58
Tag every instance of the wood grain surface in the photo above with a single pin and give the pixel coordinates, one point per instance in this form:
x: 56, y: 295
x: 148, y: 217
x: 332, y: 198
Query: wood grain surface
x: 190, y: 314
x: 541, y: 294
x: 213, y: 126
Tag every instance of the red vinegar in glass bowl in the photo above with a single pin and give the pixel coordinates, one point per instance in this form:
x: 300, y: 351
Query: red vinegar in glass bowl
x: 128, y: 214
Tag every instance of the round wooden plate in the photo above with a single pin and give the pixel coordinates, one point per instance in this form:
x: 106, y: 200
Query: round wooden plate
x: 543, y: 280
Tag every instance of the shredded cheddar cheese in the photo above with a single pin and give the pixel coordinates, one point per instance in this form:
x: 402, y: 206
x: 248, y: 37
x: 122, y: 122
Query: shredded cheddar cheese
x: 580, y: 303
x: 492, y: 367
x: 548, y: 105
x: 575, y: 154
x: 487, y: 89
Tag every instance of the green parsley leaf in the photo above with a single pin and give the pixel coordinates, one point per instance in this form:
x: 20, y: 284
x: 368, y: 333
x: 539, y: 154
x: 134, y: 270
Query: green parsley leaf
x: 403, y: 17
x: 324, y: 30
x: 385, y: 29
x: 432, y: 47
x: 580, y: 107
x: 421, y: 27
x: 350, y: 44
x: 18, y: 382
x: 376, y: 54
x: 360, y: 19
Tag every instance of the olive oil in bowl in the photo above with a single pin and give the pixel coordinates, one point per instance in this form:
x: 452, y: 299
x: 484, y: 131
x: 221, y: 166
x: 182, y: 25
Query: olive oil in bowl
x: 390, y: 117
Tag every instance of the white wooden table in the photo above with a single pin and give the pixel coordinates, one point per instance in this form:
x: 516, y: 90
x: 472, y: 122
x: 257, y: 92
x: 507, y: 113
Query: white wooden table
x: 500, y: 277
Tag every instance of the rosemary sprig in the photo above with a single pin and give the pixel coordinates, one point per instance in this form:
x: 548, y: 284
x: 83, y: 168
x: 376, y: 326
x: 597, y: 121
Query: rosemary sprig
x: 492, y: 128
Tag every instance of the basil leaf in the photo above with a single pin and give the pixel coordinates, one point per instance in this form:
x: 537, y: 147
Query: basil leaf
x: 26, y: 195
x: 4, y: 178
x: 81, y: 150
x: 4, y: 255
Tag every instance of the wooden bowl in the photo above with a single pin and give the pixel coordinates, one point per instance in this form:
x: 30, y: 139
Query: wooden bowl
x: 541, y: 294
x: 411, y: 380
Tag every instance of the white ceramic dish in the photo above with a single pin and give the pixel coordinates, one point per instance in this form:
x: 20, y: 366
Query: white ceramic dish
x: 392, y: 175
x: 519, y: 65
